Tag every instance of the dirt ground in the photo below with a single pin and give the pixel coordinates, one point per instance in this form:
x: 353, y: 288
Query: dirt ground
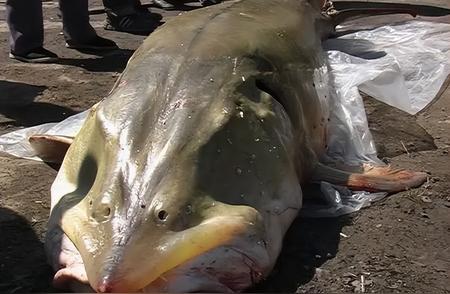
x: 398, y: 245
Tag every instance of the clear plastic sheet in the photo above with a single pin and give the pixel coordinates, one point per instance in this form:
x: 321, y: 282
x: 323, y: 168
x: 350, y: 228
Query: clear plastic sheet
x: 338, y: 200
x: 403, y: 65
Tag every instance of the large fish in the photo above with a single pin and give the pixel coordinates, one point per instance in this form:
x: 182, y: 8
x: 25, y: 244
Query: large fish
x: 187, y: 176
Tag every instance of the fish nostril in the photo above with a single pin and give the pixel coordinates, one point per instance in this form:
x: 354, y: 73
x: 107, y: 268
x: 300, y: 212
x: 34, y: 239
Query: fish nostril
x: 162, y: 215
x: 102, y: 213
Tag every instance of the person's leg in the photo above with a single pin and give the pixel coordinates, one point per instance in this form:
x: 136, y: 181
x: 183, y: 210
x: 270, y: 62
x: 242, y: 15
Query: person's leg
x: 25, y: 22
x: 75, y: 18
x: 128, y: 16
x: 78, y: 32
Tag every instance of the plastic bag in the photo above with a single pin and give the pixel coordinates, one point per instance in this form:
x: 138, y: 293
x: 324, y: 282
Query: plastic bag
x: 403, y: 65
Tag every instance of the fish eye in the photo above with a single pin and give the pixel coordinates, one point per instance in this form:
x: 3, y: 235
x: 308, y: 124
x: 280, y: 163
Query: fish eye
x: 162, y: 215
x: 106, y: 211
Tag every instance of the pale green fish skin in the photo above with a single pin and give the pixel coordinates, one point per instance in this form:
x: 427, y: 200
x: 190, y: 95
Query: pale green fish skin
x: 196, y: 155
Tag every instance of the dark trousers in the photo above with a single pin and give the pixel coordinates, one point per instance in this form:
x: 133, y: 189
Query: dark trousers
x: 25, y: 22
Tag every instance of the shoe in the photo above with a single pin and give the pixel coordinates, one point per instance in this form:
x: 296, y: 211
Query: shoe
x: 37, y: 55
x: 209, y: 2
x: 133, y: 23
x: 164, y: 5
x: 97, y: 43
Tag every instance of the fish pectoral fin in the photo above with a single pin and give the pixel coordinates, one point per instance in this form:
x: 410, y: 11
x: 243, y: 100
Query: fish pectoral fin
x: 372, y: 178
x: 50, y: 148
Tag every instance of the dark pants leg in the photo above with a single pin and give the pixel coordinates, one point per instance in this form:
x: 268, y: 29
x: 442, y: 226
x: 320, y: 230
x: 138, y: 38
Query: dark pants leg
x: 75, y: 18
x: 121, y: 7
x: 24, y: 18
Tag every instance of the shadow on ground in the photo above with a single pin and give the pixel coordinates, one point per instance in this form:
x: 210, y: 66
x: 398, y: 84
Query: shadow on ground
x: 23, y: 266
x: 109, y: 61
x: 394, y: 131
x: 17, y: 94
x: 36, y: 113
x: 308, y: 244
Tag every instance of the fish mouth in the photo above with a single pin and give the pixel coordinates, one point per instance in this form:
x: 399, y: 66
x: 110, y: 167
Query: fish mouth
x: 169, y: 254
x: 136, y: 271
x: 224, y: 269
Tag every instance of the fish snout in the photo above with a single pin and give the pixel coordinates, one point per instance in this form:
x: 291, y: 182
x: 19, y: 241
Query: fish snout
x: 107, y: 285
x: 110, y: 280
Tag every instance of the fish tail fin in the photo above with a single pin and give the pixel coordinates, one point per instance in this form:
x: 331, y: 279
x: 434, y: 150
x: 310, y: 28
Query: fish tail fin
x: 371, y: 178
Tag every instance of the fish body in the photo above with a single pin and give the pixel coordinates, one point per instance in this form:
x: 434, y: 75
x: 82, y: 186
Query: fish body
x: 187, y: 176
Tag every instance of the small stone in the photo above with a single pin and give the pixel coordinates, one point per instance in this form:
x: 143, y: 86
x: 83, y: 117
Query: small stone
x: 321, y: 274
x: 426, y: 199
x: 418, y: 263
x: 356, y: 283
x: 394, y: 286
x: 409, y: 211
x: 434, y: 179
x: 424, y: 215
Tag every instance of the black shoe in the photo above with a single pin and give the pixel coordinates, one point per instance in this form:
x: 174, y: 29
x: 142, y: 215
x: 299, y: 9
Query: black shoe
x: 134, y: 23
x: 209, y: 2
x: 164, y: 5
x: 37, y: 55
x: 97, y: 43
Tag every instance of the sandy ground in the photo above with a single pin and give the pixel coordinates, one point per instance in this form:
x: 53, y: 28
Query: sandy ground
x: 398, y: 245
